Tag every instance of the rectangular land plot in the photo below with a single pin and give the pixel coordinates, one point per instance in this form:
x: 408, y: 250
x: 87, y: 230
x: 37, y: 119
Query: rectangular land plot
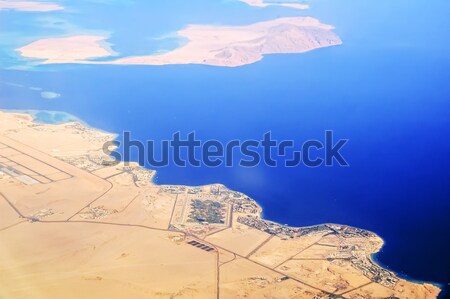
x: 23, y: 170
x: 58, y: 176
x: 8, y: 152
x: 35, y: 165
x: 41, y: 179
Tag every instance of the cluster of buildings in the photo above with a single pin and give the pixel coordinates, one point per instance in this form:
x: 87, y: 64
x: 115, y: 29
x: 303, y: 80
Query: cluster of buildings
x: 277, y: 229
x: 350, y: 232
x: 374, y: 272
x: 350, y: 253
x: 246, y: 206
x: 85, y: 162
x: 140, y: 174
x: 240, y: 203
x: 173, y: 189
x: 41, y: 214
x: 96, y: 213
x: 89, y: 133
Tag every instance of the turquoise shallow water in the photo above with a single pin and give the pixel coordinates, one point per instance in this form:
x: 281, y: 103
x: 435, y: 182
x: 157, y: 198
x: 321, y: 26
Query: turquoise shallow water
x: 49, y: 117
x: 386, y: 89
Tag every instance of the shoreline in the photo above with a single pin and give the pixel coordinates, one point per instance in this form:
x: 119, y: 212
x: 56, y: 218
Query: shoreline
x: 372, y: 256
x: 374, y: 259
x: 72, y: 118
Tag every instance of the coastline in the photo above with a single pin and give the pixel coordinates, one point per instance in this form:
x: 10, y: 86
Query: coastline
x: 383, y: 89
x: 374, y: 259
x: 67, y: 117
x: 73, y: 119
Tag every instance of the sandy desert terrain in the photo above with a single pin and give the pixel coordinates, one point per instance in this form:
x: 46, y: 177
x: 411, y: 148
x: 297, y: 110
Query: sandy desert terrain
x: 74, y: 224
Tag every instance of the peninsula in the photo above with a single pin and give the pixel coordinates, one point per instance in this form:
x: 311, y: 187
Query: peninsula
x: 71, y: 222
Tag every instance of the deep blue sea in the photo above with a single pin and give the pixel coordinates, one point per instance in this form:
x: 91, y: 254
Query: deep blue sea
x: 386, y: 89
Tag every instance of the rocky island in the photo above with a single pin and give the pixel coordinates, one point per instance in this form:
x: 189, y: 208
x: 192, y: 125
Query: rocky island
x: 228, y: 46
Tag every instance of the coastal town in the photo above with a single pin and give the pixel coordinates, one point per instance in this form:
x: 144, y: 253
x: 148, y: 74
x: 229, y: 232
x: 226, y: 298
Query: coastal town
x: 249, y: 214
x: 85, y: 214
